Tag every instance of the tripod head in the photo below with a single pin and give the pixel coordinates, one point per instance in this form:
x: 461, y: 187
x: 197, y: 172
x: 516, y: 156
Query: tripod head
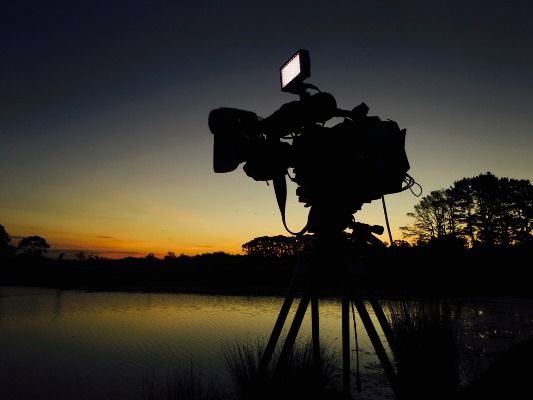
x: 363, y: 234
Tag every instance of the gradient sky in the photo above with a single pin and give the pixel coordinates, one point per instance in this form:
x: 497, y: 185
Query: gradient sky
x: 103, y: 108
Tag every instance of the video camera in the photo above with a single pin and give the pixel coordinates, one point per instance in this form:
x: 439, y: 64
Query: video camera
x: 336, y: 168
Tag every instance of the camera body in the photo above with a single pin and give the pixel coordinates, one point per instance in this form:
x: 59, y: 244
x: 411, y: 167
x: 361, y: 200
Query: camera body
x: 336, y: 168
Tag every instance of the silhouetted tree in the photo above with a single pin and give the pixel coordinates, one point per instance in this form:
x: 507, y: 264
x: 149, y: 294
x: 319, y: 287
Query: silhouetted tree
x: 495, y: 211
x: 274, y: 246
x: 402, y: 243
x: 6, y: 248
x: 435, y: 217
x: 80, y: 256
x: 448, y: 242
x: 171, y: 256
x: 33, y: 245
x: 483, y: 210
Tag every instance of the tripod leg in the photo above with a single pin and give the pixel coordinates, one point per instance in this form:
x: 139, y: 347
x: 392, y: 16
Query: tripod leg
x: 315, y: 329
x: 345, y: 316
x: 376, y: 342
x: 276, y: 331
x: 385, y: 326
x: 293, y: 332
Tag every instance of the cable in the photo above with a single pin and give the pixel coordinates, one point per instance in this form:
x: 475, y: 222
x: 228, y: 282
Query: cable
x: 409, y: 182
x: 387, y: 220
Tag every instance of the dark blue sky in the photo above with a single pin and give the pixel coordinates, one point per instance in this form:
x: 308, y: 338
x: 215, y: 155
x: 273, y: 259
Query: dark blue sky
x: 104, y: 104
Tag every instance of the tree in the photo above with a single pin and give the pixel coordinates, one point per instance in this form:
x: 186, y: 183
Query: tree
x: 33, y: 245
x: 6, y: 248
x: 495, y: 211
x: 274, y: 246
x: 171, y: 256
x: 402, y: 243
x: 435, y: 217
x: 482, y: 210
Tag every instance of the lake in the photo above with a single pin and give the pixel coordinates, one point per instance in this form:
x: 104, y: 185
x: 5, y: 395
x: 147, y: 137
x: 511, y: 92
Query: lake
x: 103, y: 345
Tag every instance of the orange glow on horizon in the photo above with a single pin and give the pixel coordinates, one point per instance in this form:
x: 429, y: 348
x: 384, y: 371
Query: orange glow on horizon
x: 121, y: 244
x: 114, y: 248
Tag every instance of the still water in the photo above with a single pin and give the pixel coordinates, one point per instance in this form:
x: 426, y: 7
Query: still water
x: 102, y: 345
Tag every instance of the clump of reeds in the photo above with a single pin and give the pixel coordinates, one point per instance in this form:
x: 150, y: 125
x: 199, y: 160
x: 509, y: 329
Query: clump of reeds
x: 299, y: 379
x: 182, y: 385
x: 426, y: 348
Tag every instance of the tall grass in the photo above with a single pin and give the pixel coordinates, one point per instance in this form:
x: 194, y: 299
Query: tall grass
x: 182, y: 385
x: 426, y: 350
x: 299, y: 379
x: 426, y: 337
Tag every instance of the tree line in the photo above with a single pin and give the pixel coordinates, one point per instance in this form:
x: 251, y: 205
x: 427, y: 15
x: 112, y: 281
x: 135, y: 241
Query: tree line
x: 482, y: 211
x: 33, y: 246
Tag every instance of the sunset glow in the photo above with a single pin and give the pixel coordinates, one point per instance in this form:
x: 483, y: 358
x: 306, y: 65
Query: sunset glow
x: 105, y: 146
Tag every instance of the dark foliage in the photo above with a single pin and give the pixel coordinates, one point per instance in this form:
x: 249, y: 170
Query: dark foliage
x: 440, y: 270
x: 35, y: 246
x: 481, y: 211
x: 6, y: 249
x: 276, y: 246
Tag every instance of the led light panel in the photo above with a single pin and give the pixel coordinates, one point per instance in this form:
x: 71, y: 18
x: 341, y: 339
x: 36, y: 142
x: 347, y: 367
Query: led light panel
x: 295, y: 71
x: 290, y: 70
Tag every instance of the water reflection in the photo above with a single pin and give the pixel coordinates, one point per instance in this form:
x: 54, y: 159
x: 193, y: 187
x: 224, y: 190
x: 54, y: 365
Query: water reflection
x: 83, y: 345
x: 58, y: 305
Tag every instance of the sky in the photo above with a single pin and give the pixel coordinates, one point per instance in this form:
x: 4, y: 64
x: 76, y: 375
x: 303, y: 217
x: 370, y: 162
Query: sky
x: 104, y: 142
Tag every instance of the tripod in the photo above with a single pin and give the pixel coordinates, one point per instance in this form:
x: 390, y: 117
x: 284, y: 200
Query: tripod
x: 332, y: 248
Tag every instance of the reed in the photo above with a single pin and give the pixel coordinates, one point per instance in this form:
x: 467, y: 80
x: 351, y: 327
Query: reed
x: 183, y: 385
x: 426, y: 337
x: 299, y: 379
